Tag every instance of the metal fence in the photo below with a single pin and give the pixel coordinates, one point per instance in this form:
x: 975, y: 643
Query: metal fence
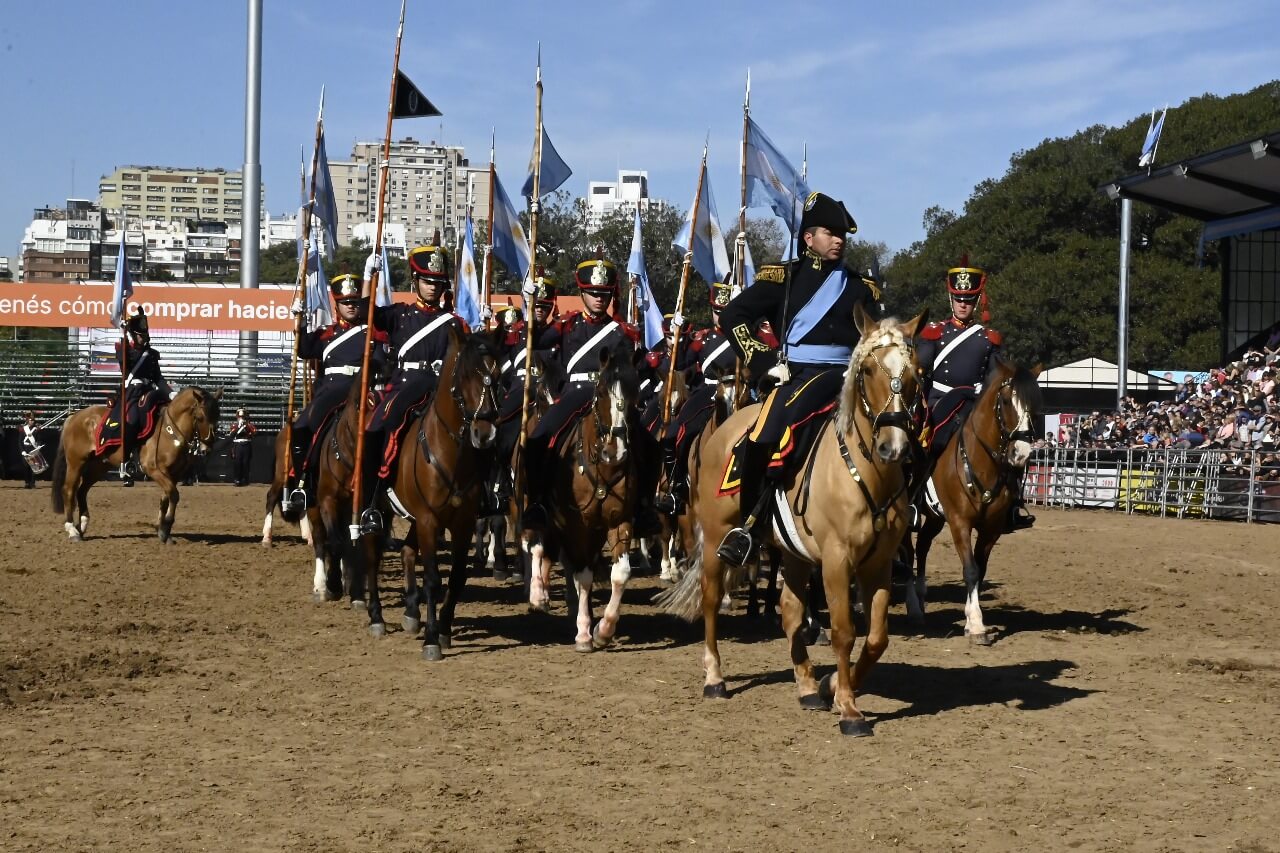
x: 1220, y: 484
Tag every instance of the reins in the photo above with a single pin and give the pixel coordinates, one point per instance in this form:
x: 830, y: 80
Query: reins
x: 998, y: 456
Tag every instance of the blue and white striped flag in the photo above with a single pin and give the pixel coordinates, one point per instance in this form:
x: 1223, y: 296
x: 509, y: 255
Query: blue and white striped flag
x: 316, y: 289
x: 383, y: 298
x: 510, y: 245
x: 709, y: 256
x: 123, y: 288
x: 648, y: 305
x: 1153, y: 139
x: 771, y: 179
x: 468, y: 304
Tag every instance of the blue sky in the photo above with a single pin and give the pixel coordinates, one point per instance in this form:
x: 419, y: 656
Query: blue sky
x: 903, y: 105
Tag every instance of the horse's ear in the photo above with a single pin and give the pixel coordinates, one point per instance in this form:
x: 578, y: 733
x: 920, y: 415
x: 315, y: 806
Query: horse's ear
x: 862, y: 320
x: 455, y: 335
x: 217, y: 395
x: 913, y: 327
x: 1037, y: 370
x: 606, y: 355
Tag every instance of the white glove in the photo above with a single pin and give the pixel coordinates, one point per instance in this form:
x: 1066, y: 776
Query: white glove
x: 741, y: 239
x: 529, y: 288
x: 297, y: 309
x: 172, y: 394
x: 486, y: 314
x: 780, y: 372
x: 677, y: 320
x: 371, y: 263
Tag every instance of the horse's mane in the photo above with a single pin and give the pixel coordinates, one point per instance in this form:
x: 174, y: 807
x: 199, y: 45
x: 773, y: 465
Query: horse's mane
x: 848, y: 394
x: 622, y: 371
x: 1024, y: 381
x: 476, y: 347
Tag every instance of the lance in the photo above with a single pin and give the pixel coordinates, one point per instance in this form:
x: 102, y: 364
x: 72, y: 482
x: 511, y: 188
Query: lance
x: 534, y: 204
x: 356, y: 484
x: 739, y: 253
x: 684, y: 281
x: 488, y: 249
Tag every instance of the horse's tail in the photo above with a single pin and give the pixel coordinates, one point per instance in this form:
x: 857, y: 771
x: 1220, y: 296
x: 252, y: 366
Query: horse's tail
x: 685, y: 598
x: 59, y: 478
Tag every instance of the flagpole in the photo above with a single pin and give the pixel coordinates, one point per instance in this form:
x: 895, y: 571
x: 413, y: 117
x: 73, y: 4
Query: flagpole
x: 684, y: 280
x: 534, y: 204
x: 298, y: 288
x: 739, y: 254
x: 124, y: 347
x: 488, y: 250
x: 356, y: 484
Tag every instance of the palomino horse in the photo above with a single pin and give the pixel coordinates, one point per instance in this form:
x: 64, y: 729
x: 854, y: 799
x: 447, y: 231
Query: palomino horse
x: 279, y: 478
x: 592, y: 501
x: 441, y: 477
x: 189, y: 418
x: 975, y: 480
x: 846, y: 511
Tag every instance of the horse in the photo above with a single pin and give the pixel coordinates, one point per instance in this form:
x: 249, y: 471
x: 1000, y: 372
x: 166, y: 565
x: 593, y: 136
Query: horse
x: 975, y: 480
x: 591, y: 502
x: 846, y: 511
x: 440, y: 482
x: 279, y: 478
x: 191, y: 417
x: 669, y: 542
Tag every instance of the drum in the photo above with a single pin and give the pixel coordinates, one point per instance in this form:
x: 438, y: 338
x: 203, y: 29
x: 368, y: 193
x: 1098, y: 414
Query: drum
x: 36, y: 460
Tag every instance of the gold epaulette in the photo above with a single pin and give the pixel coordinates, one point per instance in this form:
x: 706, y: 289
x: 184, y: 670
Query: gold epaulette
x: 775, y: 273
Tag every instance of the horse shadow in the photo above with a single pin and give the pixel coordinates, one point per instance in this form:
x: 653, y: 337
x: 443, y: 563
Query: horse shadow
x: 927, y: 690
x: 1010, y: 619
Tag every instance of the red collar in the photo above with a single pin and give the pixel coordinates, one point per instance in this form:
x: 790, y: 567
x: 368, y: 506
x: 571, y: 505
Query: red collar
x: 960, y: 325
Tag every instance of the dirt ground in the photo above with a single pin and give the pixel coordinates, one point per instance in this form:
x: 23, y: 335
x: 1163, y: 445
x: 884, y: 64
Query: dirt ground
x: 191, y: 697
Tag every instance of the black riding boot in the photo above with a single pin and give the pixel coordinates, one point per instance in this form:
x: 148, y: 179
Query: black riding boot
x: 297, y: 496
x: 753, y: 459
x: 1019, y: 518
x: 668, y: 501
x: 374, y: 487
x: 536, y: 475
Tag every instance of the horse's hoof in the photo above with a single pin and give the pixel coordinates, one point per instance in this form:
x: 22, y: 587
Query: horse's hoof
x: 826, y: 690
x: 855, y: 728
x: 814, y: 702
x: 517, y: 577
x: 411, y: 626
x: 584, y: 646
x: 359, y: 604
x: 985, y: 638
x: 319, y: 597
x: 265, y: 543
x: 432, y: 653
x: 599, y: 641
x: 446, y: 641
x: 715, y: 691
x: 378, y: 630
x: 501, y: 576
x: 540, y: 607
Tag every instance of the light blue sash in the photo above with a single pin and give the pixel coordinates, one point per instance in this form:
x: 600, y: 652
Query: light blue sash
x: 807, y: 319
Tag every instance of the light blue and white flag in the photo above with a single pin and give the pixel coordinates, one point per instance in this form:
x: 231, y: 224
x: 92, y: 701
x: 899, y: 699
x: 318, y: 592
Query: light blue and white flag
x: 771, y: 179
x: 709, y: 256
x: 510, y: 245
x: 468, y: 288
x: 326, y: 207
x: 123, y: 288
x: 554, y: 170
x: 316, y: 288
x: 385, y: 284
x: 1150, y: 144
x: 649, y: 309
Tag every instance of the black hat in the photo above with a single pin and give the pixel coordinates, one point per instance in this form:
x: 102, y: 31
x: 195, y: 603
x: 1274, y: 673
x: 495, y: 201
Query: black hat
x: 720, y: 295
x: 136, y: 324
x: 966, y: 283
x: 431, y: 262
x: 597, y: 276
x: 345, y: 287
x: 823, y: 210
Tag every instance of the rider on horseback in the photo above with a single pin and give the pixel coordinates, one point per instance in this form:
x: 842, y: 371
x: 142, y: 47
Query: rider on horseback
x: 716, y: 363
x: 418, y: 333
x: 339, y: 347
x: 955, y: 355
x: 580, y: 338
x: 145, y: 391
x: 819, y: 338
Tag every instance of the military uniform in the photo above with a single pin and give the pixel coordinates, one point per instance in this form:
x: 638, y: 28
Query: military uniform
x: 339, y: 350
x: 515, y: 369
x: 654, y: 373
x: 575, y: 344
x: 418, y: 335
x: 242, y: 447
x: 145, y: 389
x: 820, y: 336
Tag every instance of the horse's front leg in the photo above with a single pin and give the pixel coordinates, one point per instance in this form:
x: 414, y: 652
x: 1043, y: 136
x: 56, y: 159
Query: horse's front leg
x: 619, y: 574
x: 539, y: 570
x: 580, y: 578
x: 712, y: 591
x: 78, y: 508
x: 844, y: 633
x: 168, y: 504
x: 974, y: 628
x: 371, y: 554
x: 319, y: 549
x: 795, y: 586
x: 457, y: 583
x: 412, y: 620
x: 918, y: 586
x: 876, y: 584
x: 431, y: 586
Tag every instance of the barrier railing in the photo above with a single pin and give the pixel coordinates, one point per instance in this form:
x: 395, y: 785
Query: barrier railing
x: 1239, y: 485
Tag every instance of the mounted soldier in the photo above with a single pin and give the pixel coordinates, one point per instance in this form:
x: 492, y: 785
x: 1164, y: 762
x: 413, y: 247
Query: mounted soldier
x: 339, y: 349
x: 145, y: 392
x: 955, y: 356
x: 515, y: 368
x: 418, y: 335
x: 715, y: 363
x: 577, y: 342
x: 813, y: 312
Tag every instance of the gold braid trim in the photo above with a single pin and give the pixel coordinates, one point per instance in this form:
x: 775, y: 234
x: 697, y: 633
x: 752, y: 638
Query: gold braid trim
x: 747, y: 342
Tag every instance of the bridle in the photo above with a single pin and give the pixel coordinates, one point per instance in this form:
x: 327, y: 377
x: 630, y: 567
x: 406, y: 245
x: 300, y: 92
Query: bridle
x: 198, y: 417
x: 589, y: 464
x: 488, y: 394
x: 998, y: 455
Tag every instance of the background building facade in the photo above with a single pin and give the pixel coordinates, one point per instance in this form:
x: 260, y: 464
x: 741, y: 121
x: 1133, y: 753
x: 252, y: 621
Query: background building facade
x: 166, y: 194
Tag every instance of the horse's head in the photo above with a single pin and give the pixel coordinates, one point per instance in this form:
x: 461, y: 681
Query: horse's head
x: 474, y: 385
x: 679, y: 391
x: 882, y: 383
x: 196, y: 409
x: 616, y: 393
x: 1016, y: 401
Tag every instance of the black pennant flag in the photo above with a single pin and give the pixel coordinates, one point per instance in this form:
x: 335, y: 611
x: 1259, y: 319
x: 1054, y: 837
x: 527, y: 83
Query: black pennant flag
x: 411, y: 103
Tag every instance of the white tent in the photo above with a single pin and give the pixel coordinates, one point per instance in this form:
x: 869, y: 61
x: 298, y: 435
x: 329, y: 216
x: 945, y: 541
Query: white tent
x: 1099, y: 374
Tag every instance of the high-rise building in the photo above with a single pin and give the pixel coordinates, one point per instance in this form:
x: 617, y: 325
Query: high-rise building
x: 426, y: 186
x: 168, y: 194
x: 629, y: 191
x: 64, y: 244
x: 351, y: 191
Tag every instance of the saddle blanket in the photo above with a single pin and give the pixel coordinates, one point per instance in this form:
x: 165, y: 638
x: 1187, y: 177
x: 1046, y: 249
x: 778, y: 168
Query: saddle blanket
x: 796, y: 440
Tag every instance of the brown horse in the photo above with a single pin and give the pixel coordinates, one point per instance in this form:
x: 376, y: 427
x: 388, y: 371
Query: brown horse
x: 279, y: 478
x: 190, y: 418
x: 846, y: 511
x: 441, y: 477
x: 975, y: 482
x: 592, y: 501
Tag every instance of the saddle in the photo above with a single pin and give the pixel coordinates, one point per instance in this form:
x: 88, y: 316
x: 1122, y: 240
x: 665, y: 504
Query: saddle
x: 797, y: 439
x: 947, y: 416
x: 110, y: 431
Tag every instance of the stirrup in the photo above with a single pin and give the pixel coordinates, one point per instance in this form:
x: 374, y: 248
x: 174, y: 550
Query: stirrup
x: 294, y: 500
x: 736, y: 547
x: 370, y: 523
x: 666, y: 503
x: 132, y: 470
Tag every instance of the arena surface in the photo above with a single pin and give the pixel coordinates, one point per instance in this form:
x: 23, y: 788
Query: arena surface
x: 191, y: 697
